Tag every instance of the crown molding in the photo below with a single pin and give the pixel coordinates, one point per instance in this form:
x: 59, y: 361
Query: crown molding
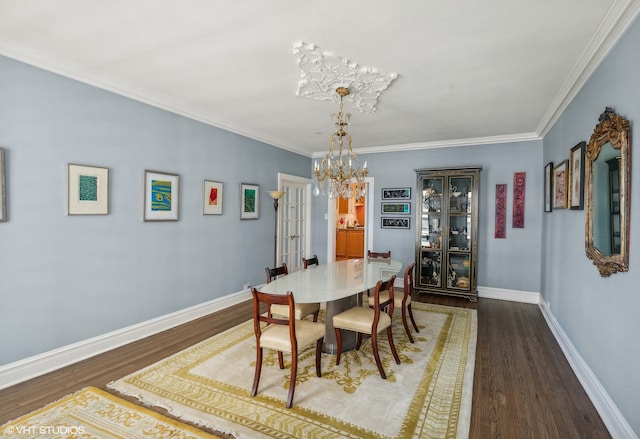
x: 618, y: 19
x: 490, y: 140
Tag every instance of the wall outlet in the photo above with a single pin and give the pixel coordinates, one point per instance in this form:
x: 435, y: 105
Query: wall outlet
x: 247, y: 286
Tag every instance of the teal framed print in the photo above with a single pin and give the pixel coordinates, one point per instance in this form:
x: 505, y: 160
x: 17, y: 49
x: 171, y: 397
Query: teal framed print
x: 88, y: 190
x: 250, y: 201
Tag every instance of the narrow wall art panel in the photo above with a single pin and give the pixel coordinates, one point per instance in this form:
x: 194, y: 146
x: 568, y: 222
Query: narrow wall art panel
x: 518, y: 200
x: 501, y: 211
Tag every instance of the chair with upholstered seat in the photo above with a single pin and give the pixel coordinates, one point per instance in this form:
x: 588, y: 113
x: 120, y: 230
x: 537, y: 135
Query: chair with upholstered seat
x: 288, y: 335
x: 371, y: 321
x: 302, y: 310
x: 403, y: 302
x: 311, y: 261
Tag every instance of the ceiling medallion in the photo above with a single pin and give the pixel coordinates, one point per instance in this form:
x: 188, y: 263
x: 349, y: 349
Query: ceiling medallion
x: 322, y: 72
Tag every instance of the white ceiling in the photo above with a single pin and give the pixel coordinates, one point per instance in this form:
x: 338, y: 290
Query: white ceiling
x: 468, y: 70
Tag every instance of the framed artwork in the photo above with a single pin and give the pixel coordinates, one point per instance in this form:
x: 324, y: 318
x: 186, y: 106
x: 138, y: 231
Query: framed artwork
x: 403, y: 193
x: 548, y: 187
x: 396, y: 208
x: 3, y: 196
x: 517, y: 219
x: 501, y: 211
x: 160, y: 196
x: 560, y: 182
x: 212, y: 198
x: 250, y: 201
x: 395, y: 223
x: 576, y: 176
x: 87, y: 190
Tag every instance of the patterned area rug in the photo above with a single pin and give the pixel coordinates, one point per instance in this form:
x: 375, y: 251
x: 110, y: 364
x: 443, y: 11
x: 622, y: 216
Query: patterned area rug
x: 92, y: 413
x: 427, y: 396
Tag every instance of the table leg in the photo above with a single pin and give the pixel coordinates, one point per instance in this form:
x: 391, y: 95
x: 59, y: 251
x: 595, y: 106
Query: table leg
x: 348, y: 337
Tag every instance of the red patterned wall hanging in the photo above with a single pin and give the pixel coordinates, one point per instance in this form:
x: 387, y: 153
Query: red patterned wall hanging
x: 518, y: 200
x: 501, y: 211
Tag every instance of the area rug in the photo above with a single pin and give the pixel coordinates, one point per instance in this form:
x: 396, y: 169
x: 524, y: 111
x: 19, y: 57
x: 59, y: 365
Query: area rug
x: 427, y: 396
x: 93, y: 413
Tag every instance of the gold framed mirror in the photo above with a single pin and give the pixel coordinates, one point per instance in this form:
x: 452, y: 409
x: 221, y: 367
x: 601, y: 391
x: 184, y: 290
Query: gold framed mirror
x: 607, y: 194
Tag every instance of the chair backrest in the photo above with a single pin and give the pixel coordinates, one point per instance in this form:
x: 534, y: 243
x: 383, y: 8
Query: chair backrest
x: 273, y: 273
x: 260, y: 298
x: 387, y: 304
x: 310, y: 261
x: 408, y: 281
x: 379, y: 255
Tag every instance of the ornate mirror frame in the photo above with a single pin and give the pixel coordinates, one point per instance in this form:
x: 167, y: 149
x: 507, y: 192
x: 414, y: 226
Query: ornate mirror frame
x: 615, y: 130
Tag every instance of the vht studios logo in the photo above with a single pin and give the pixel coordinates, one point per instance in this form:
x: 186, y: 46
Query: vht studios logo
x: 44, y: 429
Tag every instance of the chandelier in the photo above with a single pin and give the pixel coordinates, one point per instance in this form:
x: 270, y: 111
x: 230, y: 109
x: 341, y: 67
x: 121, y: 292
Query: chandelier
x: 338, y: 175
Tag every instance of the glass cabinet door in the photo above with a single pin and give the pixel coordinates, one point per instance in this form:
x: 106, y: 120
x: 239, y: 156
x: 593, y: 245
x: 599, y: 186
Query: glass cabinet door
x: 432, y: 213
x: 430, y: 268
x: 459, y: 271
x: 431, y: 231
x: 460, y: 202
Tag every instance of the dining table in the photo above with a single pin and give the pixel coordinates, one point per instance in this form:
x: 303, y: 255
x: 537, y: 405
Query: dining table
x: 337, y: 284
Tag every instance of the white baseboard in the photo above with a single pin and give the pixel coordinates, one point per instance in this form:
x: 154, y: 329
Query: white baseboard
x: 510, y: 295
x: 611, y: 416
x: 22, y: 370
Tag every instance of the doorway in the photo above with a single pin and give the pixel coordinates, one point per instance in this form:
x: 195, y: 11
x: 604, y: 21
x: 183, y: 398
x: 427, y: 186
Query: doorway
x: 332, y: 222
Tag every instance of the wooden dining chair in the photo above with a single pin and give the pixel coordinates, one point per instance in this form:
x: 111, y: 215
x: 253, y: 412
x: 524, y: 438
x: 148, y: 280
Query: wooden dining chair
x: 311, y: 261
x: 369, y: 321
x: 276, y: 272
x: 288, y: 335
x: 379, y: 255
x: 302, y: 310
x: 403, y: 302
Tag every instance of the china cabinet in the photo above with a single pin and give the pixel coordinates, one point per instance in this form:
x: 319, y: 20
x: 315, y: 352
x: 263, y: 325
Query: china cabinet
x: 447, y: 231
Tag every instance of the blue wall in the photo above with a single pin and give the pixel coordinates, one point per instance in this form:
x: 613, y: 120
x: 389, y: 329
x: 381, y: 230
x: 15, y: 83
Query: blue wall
x: 68, y: 278
x: 600, y: 315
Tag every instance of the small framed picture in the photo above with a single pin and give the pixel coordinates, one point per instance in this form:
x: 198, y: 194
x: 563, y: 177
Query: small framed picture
x: 87, y: 190
x: 250, y: 201
x: 403, y: 193
x: 160, y: 196
x: 560, y: 182
x: 576, y: 176
x: 395, y: 223
x: 212, y: 198
x: 396, y: 208
x: 548, y: 187
x: 3, y: 196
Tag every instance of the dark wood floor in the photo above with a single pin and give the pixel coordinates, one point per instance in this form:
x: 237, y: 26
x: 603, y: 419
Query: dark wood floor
x: 523, y: 385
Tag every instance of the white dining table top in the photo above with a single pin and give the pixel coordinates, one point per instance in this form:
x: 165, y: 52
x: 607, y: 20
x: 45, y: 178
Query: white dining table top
x: 333, y: 281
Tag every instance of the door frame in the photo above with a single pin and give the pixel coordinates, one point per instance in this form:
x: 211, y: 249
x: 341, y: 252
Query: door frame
x: 282, y: 177
x: 368, y: 216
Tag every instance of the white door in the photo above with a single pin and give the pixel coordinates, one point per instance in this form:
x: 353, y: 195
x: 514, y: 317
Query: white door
x: 293, y: 221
